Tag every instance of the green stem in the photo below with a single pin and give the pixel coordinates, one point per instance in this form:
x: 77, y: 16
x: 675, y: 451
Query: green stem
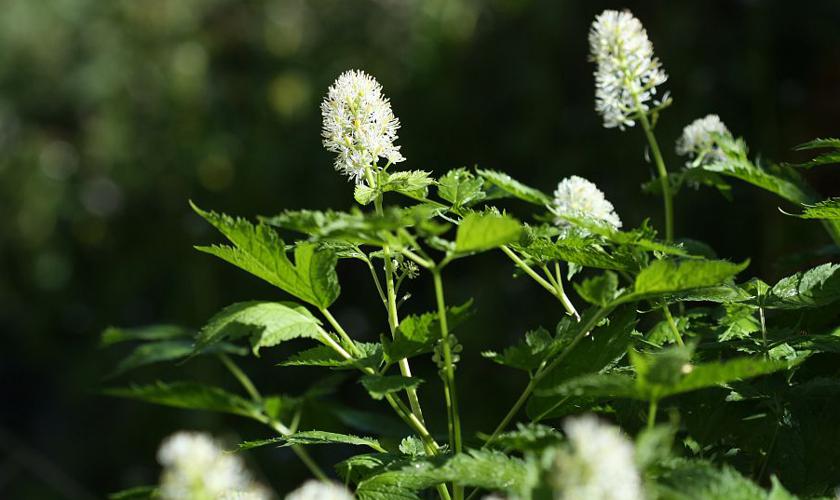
x: 281, y: 429
x: 243, y: 379
x: 343, y: 334
x: 559, y: 293
x: 393, y: 318
x: 667, y: 196
x: 677, y: 337
x: 651, y: 420
x: 449, y: 375
x: 545, y: 369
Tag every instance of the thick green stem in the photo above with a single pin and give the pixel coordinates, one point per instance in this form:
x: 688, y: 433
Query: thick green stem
x: 556, y: 291
x: 667, y: 196
x: 449, y: 375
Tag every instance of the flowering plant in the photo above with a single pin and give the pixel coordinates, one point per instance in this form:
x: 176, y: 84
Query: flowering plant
x: 711, y: 373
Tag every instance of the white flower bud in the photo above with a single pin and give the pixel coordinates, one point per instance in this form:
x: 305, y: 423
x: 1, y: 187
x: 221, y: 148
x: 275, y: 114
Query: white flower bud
x: 320, y: 490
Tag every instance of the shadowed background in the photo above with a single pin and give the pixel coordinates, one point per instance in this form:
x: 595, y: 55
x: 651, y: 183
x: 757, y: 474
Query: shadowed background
x: 114, y: 114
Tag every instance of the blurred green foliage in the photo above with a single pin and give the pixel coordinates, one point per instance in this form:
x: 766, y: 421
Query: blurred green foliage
x: 113, y: 114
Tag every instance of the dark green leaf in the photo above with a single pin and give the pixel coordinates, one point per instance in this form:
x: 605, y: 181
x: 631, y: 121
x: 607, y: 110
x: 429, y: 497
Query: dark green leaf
x: 380, y: 385
x: 599, y: 290
x: 189, y: 395
x: 307, y: 438
x: 115, y: 335
x: 418, y: 334
x: 167, y: 350
x: 137, y: 493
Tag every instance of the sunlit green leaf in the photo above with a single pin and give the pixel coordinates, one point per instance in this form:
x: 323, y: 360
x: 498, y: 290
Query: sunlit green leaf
x: 482, y: 231
x: 265, y: 323
x: 813, y: 288
x: 460, y: 187
x: 258, y: 250
x: 515, y: 188
x: 188, y: 395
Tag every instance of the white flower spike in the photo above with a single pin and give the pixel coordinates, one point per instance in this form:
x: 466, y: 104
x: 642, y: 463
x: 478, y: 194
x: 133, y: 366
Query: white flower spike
x: 320, y: 490
x: 628, y: 73
x: 358, y: 124
x: 576, y: 197
x: 600, y: 464
x: 701, y: 138
x: 195, y: 466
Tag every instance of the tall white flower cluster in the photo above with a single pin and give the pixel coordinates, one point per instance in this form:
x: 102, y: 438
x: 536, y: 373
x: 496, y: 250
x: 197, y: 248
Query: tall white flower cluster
x: 320, y: 490
x: 196, y: 467
x: 578, y: 198
x: 358, y: 124
x: 700, y: 140
x: 628, y: 73
x: 599, y: 464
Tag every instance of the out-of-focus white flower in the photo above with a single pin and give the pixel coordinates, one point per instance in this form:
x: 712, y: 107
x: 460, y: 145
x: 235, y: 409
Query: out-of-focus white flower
x: 627, y: 73
x: 196, y: 467
x: 599, y: 464
x: 576, y: 197
x: 358, y: 124
x: 320, y: 490
x: 700, y: 140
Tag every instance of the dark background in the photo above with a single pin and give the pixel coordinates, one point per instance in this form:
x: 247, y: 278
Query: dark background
x: 114, y: 114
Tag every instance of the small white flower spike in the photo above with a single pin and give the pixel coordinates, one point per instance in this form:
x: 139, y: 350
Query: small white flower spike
x: 627, y: 74
x: 576, y: 197
x: 700, y: 140
x: 320, y: 490
x: 600, y: 464
x: 358, y: 124
x: 195, y: 466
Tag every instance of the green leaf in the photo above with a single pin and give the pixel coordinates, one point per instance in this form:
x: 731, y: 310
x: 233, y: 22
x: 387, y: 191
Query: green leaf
x: 813, y: 288
x: 306, y: 438
x: 683, y: 479
x: 482, y: 469
x: 258, y: 250
x: 515, y: 188
x: 827, y: 209
x: 136, y: 493
x: 167, y: 350
x: 599, y: 290
x: 597, y: 352
x: 418, y: 334
x: 115, y: 335
x: 266, y: 323
x: 574, y: 247
x: 528, y: 437
x: 460, y: 188
x: 819, y: 144
x: 669, y: 276
x: 783, y: 181
x: 189, y: 395
x: 327, y: 357
x: 527, y: 355
x: 414, y: 183
x: 482, y: 231
x: 381, y: 385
